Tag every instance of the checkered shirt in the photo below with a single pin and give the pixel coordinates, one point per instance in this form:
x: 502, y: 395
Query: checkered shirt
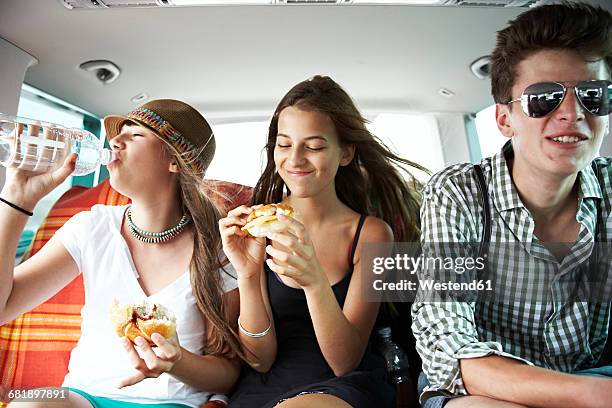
x: 557, y: 334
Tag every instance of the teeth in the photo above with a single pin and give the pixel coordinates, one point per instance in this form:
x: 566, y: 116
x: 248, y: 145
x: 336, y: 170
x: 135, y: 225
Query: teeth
x: 567, y: 139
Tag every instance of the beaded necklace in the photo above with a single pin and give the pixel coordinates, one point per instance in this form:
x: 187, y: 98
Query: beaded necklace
x: 155, y: 237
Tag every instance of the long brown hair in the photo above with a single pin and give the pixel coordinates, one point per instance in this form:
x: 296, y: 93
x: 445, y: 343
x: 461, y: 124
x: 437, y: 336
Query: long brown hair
x: 372, y: 182
x: 207, y: 259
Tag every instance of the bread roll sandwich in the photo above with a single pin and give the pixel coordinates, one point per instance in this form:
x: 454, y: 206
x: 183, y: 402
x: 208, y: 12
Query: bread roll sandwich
x: 264, y: 220
x: 143, y: 319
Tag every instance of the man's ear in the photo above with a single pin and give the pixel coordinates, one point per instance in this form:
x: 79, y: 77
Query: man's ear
x: 502, y: 117
x: 347, y: 154
x: 173, y: 168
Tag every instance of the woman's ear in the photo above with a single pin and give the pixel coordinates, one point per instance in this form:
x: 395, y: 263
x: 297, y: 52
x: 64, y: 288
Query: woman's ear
x: 173, y: 168
x: 502, y: 117
x: 346, y: 155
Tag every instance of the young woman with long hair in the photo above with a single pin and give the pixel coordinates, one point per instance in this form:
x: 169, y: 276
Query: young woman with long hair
x: 304, y: 324
x: 164, y: 248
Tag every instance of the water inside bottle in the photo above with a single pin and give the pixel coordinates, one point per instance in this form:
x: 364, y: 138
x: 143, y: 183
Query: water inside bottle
x: 5, y: 151
x: 30, y: 145
x: 41, y: 147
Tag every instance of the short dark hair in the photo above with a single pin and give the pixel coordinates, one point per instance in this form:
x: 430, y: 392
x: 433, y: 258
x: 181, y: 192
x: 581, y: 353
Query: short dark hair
x: 578, y: 27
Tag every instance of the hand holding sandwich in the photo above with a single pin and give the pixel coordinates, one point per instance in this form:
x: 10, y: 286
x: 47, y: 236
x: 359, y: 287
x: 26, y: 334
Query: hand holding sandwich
x: 246, y: 253
x: 148, y: 363
x: 243, y: 232
x: 147, y: 325
x: 295, y: 255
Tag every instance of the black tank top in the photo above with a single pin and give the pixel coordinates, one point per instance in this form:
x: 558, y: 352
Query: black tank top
x: 294, y: 329
x: 299, y: 365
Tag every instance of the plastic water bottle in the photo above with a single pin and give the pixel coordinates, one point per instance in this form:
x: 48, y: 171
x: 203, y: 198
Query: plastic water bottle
x: 398, y: 367
x: 42, y: 147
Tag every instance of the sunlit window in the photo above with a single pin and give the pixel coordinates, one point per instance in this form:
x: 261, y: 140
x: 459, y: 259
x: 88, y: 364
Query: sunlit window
x: 413, y: 137
x: 490, y: 138
x: 239, y: 157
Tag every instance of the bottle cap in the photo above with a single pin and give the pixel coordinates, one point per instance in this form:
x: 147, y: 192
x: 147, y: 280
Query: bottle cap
x: 106, y: 156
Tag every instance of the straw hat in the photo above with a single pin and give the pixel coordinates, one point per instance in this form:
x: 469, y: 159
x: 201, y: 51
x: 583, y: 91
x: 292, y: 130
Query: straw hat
x: 176, y: 123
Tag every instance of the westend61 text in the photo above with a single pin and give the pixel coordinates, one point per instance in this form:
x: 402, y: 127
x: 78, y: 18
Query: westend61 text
x: 430, y: 284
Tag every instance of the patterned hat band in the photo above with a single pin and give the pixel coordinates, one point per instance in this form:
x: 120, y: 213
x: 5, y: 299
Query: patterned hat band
x: 167, y: 132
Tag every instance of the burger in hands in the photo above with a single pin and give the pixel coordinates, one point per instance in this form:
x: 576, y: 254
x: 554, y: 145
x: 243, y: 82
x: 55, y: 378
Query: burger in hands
x: 264, y: 220
x: 142, y: 319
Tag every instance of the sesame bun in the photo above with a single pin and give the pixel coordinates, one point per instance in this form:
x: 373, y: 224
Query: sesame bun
x: 264, y: 220
x: 143, y: 319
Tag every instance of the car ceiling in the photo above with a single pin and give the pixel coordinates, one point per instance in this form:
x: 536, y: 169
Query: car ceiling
x: 238, y: 61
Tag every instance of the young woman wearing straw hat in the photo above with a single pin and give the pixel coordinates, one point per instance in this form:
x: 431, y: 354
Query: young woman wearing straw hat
x: 304, y: 323
x: 164, y: 248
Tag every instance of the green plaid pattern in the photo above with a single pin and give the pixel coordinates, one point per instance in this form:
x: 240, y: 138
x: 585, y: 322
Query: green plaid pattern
x: 560, y: 335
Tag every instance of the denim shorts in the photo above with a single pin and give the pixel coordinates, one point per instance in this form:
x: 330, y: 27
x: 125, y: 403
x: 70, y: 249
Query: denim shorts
x: 432, y: 402
x: 440, y: 401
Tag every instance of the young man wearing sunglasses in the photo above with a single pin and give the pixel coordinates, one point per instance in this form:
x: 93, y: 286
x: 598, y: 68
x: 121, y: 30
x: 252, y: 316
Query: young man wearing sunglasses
x: 551, y: 82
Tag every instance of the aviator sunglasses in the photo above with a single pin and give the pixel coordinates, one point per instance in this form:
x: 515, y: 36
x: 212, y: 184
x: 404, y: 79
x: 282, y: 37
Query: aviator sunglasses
x: 542, y: 98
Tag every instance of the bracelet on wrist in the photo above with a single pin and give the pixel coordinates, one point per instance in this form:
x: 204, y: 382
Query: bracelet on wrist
x: 253, y: 335
x: 16, y: 207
